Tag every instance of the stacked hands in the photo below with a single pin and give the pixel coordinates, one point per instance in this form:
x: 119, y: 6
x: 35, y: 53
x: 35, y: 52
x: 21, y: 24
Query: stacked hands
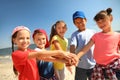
x: 68, y: 58
x: 71, y: 59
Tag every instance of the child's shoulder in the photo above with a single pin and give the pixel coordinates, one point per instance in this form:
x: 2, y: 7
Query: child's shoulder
x: 19, y: 51
x: 75, y: 32
x: 91, y: 30
x: 117, y: 33
x: 55, y: 37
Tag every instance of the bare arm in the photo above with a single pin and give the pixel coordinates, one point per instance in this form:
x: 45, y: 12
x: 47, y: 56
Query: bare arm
x: 52, y: 59
x: 46, y: 53
x: 72, y: 48
x: 85, y: 49
x: 73, y: 56
x: 57, y: 45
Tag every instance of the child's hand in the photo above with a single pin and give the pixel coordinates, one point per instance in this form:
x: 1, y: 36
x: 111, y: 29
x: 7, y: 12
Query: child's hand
x: 73, y: 59
x: 69, y: 58
x: 64, y: 55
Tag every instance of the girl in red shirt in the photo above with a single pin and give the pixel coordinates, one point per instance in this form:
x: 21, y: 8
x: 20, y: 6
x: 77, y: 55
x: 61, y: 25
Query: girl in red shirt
x: 24, y: 59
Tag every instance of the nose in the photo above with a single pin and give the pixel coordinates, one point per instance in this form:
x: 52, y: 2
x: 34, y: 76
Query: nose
x: 26, y: 40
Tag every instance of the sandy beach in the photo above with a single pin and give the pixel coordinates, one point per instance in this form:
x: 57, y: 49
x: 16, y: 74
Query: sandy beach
x: 6, y: 72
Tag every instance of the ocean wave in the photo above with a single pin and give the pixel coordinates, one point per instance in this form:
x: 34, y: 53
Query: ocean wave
x: 4, y: 59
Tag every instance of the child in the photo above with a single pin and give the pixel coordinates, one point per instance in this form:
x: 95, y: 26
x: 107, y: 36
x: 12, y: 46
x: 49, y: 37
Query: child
x: 59, y: 42
x: 107, y: 43
x: 78, y: 39
x: 24, y: 59
x: 46, y: 70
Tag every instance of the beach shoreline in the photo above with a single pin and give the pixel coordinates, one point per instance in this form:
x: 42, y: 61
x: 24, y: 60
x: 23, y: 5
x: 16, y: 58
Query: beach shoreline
x: 6, y: 68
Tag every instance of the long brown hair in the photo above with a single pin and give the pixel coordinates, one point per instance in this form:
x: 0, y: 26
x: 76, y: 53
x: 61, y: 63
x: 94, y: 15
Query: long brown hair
x: 14, y: 36
x: 53, y: 29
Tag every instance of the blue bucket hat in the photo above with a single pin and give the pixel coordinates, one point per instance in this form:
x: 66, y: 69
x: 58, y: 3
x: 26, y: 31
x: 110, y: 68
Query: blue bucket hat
x: 78, y: 14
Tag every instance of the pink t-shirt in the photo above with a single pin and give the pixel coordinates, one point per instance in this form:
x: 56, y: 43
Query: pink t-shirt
x: 27, y: 68
x: 106, y: 47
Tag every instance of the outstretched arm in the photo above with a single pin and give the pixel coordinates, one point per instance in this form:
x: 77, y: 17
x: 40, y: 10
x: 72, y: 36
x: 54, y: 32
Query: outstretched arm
x: 46, y: 53
x: 85, y: 49
x: 68, y: 58
x: 52, y: 59
x: 72, y: 48
x: 73, y: 58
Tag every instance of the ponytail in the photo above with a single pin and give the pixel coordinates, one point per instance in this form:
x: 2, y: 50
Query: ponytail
x: 15, y: 71
x: 53, y: 29
x: 53, y: 32
x: 14, y: 36
x: 12, y: 46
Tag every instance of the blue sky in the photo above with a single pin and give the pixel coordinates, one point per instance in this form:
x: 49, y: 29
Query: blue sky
x: 44, y: 13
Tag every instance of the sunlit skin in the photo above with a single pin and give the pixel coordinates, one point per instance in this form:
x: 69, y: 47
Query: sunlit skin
x: 105, y: 24
x: 22, y: 40
x: 80, y: 23
x: 61, y: 29
x: 40, y: 40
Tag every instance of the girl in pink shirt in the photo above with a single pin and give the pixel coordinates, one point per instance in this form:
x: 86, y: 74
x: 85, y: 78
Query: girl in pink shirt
x: 107, y: 44
x: 24, y: 59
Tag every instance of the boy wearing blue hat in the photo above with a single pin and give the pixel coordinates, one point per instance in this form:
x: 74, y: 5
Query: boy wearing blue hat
x: 78, y: 40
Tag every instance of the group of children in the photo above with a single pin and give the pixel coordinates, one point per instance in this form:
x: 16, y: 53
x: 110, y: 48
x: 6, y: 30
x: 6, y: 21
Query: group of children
x: 93, y: 53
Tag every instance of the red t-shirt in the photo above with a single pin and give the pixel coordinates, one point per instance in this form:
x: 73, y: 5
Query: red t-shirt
x: 27, y: 68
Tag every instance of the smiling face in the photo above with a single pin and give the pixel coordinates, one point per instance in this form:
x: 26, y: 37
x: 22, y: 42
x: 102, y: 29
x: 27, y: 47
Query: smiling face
x: 104, y: 24
x: 80, y: 23
x: 104, y: 19
x: 61, y: 29
x: 22, y: 40
x: 40, y: 40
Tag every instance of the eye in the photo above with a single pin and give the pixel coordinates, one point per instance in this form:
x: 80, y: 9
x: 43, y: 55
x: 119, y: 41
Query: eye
x: 38, y: 39
x: 28, y: 37
x: 21, y: 38
x: 44, y: 38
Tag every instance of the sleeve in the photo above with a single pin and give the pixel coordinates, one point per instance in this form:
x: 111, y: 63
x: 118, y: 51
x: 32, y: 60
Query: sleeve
x: 54, y: 38
x: 93, y: 38
x: 19, y: 57
x: 66, y: 41
x: 73, y: 40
